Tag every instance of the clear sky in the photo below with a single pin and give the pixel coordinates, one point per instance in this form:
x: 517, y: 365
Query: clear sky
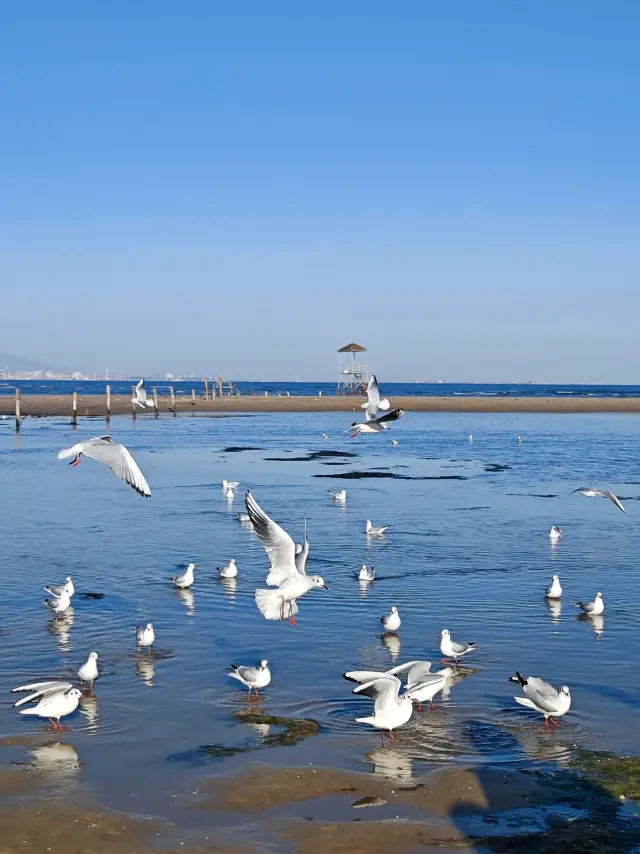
x: 242, y: 187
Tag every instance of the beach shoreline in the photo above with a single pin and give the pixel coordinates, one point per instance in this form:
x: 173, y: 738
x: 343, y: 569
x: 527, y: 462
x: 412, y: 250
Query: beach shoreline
x: 94, y: 406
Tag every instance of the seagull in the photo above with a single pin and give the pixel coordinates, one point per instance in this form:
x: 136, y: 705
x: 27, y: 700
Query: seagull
x: 230, y: 484
x: 253, y: 678
x: 291, y: 580
x: 390, y: 709
x: 543, y: 698
x: 68, y: 586
x: 228, y: 571
x: 554, y: 590
x: 391, y: 622
x: 325, y: 435
x: 59, y: 604
x: 56, y: 700
x: 302, y: 552
x: 593, y: 493
x: 229, y: 494
x: 116, y: 456
x: 375, y: 530
x: 555, y: 533
x: 421, y: 682
x: 244, y: 518
x: 89, y: 670
x: 450, y: 649
x: 469, y: 438
x: 186, y: 579
x: 367, y: 573
x: 373, y: 403
x: 394, y: 442
x: 340, y: 496
x: 593, y: 609
x: 520, y: 440
x: 145, y: 636
x: 140, y: 396
x: 376, y: 425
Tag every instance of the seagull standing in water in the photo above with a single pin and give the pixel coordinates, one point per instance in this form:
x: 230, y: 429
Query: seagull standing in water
x: 543, y: 698
x: 56, y: 700
x: 287, y: 575
x: 373, y: 403
x: 228, y: 571
x: 554, y: 590
x: 253, y: 678
x: 391, y: 622
x: 421, y: 682
x: 590, y: 492
x: 112, y: 454
x: 593, y: 609
x: 451, y: 649
x: 68, y: 586
x: 145, y: 636
x: 89, y: 670
x: 390, y: 708
x: 59, y: 604
x: 140, y: 396
x: 555, y: 533
x: 186, y: 579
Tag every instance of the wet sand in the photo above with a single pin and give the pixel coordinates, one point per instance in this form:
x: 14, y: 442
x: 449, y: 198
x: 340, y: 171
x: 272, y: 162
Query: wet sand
x: 39, y: 405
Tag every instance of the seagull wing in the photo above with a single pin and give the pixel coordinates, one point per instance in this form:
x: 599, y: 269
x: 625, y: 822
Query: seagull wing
x: 541, y: 701
x: 249, y: 674
x: 611, y: 497
x: 390, y: 416
x: 383, y: 690
x: 41, y: 689
x: 541, y: 687
x: 373, y: 394
x: 119, y: 460
x: 301, y: 557
x: 277, y: 543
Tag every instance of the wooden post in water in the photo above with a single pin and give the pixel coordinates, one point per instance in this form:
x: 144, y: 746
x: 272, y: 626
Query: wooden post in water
x: 155, y: 401
x: 133, y: 406
x: 17, y: 410
x: 206, y: 389
x: 173, y: 400
x: 74, y: 409
x: 108, y: 404
x: 219, y: 381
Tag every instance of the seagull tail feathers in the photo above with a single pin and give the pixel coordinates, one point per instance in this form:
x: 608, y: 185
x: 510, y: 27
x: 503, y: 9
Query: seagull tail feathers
x: 369, y: 721
x: 269, y: 603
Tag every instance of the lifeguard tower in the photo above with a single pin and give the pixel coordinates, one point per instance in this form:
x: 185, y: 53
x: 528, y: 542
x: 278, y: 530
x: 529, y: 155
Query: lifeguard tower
x: 352, y: 369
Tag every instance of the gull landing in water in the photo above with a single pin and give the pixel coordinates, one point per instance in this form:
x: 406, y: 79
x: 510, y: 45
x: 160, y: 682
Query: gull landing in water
x: 55, y: 700
x: 140, y: 396
x: 451, y: 649
x: 375, y: 425
x: 554, y: 590
x: 593, y: 609
x: 253, y: 678
x: 543, y: 698
x: 116, y: 456
x: 555, y: 533
x: 287, y: 574
x: 590, y: 492
x: 340, y: 496
x: 373, y: 402
x: 375, y: 530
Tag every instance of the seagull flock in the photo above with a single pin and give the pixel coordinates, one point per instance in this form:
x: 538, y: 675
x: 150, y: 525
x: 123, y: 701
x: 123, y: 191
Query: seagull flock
x: 287, y: 582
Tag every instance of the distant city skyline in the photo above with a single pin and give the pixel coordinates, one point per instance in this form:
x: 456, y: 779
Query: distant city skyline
x: 243, y: 188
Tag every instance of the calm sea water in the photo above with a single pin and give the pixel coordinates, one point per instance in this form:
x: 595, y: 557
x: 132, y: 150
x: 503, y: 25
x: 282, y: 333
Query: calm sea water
x: 66, y: 387
x: 468, y: 551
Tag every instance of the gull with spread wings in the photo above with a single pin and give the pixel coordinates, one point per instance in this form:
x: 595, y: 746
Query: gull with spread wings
x: 112, y: 454
x: 374, y: 403
x: 288, y: 570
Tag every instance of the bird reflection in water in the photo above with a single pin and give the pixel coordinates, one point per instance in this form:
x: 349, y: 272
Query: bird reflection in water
x: 392, y: 644
x: 188, y: 600
x: 58, y: 761
x: 596, y: 621
x: 89, y: 710
x: 230, y: 585
x: 555, y: 610
x: 61, y: 626
x: 146, y: 669
x: 392, y: 764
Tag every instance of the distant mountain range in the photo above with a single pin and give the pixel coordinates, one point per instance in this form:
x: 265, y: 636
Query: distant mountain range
x: 16, y: 363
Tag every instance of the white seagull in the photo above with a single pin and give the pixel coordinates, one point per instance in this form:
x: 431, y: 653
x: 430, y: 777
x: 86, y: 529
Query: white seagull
x: 186, y: 579
x: 555, y: 533
x: 340, y: 496
x: 543, y: 697
x: 391, y: 622
x: 590, y: 492
x: 68, y: 586
x: 253, y: 678
x: 554, y: 590
x: 244, y: 518
x: 373, y: 403
x: 229, y: 493
x: 116, y: 456
x: 593, y: 609
x: 59, y: 604
x: 390, y: 709
x: 291, y: 580
x: 421, y: 682
x: 367, y: 573
x: 228, y: 571
x: 230, y: 484
x: 376, y: 425
x: 375, y: 530
x: 145, y: 636
x: 140, y: 396
x: 302, y: 552
x: 394, y: 442
x: 56, y: 700
x: 450, y: 649
x: 469, y: 438
x: 89, y: 670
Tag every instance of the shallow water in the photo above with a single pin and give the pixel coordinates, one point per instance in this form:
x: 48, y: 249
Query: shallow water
x: 470, y: 553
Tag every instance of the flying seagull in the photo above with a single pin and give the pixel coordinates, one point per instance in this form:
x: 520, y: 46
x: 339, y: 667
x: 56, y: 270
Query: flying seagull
x: 112, y: 454
x: 376, y: 424
x: 286, y: 575
x: 590, y: 492
x: 140, y: 396
x: 374, y: 403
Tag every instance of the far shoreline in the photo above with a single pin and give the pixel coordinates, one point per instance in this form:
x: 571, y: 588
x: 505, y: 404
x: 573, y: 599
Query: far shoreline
x: 94, y: 406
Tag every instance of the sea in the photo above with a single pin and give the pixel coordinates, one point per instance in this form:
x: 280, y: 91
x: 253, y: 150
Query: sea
x: 468, y: 550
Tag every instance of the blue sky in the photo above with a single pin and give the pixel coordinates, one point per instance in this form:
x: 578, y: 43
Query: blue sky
x: 240, y: 188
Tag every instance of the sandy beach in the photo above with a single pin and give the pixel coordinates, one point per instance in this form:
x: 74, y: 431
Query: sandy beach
x: 39, y: 405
